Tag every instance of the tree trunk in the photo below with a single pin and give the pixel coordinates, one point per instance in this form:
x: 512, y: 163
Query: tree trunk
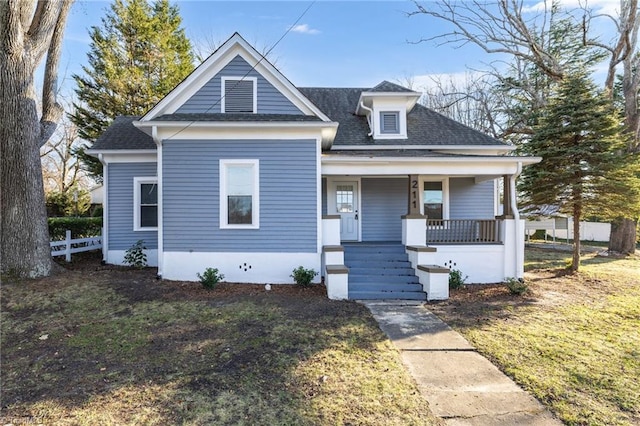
x: 577, y: 215
x: 24, y: 249
x: 623, y: 236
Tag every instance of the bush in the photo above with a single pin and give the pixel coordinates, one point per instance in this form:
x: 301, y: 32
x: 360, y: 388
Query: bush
x: 80, y: 227
x: 210, y: 278
x: 303, y: 276
x: 65, y: 204
x: 516, y: 286
x: 456, y: 280
x: 135, y: 255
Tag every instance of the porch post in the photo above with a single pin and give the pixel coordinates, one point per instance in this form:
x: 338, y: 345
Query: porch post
x: 507, y: 206
x: 414, y: 224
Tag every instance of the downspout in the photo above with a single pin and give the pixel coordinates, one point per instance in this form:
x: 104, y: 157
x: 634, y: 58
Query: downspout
x: 369, y: 117
x: 105, y: 209
x: 516, y: 216
x: 156, y: 139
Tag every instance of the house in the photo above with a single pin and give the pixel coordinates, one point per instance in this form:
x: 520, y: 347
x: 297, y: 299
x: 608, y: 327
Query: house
x: 238, y: 169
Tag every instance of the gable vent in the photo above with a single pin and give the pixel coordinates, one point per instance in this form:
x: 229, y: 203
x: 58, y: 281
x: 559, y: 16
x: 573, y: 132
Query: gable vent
x: 238, y: 96
x: 389, y: 122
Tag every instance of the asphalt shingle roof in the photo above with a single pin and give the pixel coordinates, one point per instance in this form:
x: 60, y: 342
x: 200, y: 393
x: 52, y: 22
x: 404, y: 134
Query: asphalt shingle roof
x: 424, y: 126
x: 122, y: 134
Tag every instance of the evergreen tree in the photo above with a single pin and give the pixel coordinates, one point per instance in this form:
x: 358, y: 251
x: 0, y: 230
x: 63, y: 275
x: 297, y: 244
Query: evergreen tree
x: 584, y: 168
x: 136, y: 57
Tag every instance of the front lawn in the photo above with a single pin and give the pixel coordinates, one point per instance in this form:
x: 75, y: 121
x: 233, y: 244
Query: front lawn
x: 104, y: 345
x: 573, y: 342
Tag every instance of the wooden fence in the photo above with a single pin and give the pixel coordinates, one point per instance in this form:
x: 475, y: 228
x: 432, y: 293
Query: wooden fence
x: 68, y: 246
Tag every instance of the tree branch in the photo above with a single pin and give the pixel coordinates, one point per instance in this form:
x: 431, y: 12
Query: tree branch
x: 52, y: 111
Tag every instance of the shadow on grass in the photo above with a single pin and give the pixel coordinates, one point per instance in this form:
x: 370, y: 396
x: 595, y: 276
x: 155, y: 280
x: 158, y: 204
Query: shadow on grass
x: 118, y: 346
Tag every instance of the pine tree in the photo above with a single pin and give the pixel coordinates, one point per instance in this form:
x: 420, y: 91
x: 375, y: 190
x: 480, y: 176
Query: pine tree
x: 584, y: 168
x: 137, y: 56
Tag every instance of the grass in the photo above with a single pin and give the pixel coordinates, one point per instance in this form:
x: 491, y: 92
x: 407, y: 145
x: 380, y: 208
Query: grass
x: 574, y: 342
x: 118, y: 347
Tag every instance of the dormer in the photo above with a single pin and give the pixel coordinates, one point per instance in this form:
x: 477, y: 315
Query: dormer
x: 386, y: 107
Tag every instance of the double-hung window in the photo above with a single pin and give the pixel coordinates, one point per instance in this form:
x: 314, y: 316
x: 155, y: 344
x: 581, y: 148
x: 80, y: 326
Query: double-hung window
x: 145, y: 203
x: 239, y: 95
x: 239, y: 194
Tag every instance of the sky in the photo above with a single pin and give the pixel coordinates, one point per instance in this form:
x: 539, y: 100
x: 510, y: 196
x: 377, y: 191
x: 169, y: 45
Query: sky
x: 334, y: 44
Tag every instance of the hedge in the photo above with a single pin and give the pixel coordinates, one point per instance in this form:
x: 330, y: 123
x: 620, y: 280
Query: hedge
x: 80, y: 227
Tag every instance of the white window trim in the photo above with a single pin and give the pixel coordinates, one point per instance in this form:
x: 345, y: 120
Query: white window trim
x: 255, y: 196
x: 137, y: 182
x: 377, y: 122
x: 238, y: 78
x: 445, y: 194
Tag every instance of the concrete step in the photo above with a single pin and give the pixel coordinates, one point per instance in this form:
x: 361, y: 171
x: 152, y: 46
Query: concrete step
x: 375, y: 256
x: 385, y: 287
x: 388, y: 279
x: 378, y: 295
x: 383, y: 248
x: 361, y: 263
x: 381, y: 270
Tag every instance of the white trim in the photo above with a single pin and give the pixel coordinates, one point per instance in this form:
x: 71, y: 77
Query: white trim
x: 105, y: 209
x: 137, y: 181
x: 159, y: 172
x: 255, y: 196
x: 426, y: 147
x: 319, y: 225
x: 445, y: 193
x: 223, y: 91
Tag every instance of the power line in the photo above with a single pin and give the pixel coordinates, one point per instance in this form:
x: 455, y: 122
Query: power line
x: 262, y: 57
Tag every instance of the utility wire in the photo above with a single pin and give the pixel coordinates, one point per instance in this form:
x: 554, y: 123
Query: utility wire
x: 262, y: 57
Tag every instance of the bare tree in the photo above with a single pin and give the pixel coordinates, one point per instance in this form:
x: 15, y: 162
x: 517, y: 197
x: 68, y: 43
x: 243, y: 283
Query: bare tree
x: 29, y: 31
x: 549, y: 43
x: 61, y: 169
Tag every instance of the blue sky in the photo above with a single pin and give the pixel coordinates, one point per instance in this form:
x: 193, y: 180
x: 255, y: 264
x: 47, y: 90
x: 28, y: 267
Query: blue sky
x: 336, y: 43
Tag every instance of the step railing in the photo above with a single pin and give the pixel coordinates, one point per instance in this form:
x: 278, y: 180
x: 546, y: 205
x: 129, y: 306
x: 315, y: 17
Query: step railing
x: 464, y: 231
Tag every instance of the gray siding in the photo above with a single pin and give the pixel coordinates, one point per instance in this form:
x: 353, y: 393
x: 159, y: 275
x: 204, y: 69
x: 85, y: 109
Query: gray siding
x: 207, y: 99
x: 384, y: 201
x: 288, y: 196
x: 120, y: 205
x: 468, y: 200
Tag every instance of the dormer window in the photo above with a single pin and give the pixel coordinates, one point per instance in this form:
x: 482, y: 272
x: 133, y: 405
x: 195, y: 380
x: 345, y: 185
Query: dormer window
x: 240, y: 95
x: 390, y: 122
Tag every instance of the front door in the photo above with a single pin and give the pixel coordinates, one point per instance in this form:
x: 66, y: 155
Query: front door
x: 346, y: 205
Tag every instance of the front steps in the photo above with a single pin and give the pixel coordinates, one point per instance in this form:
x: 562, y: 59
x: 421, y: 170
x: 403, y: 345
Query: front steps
x: 381, y: 271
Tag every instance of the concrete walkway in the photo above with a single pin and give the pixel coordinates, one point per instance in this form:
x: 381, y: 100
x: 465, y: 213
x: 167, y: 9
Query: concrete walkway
x: 461, y: 386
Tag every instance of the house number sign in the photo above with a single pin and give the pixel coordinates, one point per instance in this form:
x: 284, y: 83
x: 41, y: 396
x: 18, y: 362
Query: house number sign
x: 414, y: 188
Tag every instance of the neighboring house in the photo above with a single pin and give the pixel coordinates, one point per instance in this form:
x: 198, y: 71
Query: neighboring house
x: 238, y: 169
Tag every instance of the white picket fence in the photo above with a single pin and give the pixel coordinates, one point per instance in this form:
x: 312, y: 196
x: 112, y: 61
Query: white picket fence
x: 68, y: 246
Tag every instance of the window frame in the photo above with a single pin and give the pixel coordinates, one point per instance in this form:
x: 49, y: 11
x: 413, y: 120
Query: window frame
x: 138, y: 181
x: 445, y: 194
x: 255, y: 196
x: 223, y: 91
x: 396, y: 115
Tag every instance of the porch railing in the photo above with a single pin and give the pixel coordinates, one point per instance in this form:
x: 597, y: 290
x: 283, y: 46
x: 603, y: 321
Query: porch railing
x: 464, y: 231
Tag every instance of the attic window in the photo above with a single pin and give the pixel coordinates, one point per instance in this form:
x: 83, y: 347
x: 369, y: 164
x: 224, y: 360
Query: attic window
x: 390, y: 122
x: 239, y: 95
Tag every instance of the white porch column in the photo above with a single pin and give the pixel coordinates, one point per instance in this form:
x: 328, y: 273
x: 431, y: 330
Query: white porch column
x: 414, y: 230
x: 331, y: 230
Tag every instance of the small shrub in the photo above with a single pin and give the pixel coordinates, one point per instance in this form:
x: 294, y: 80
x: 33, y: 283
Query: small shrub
x: 456, y: 280
x: 210, y: 278
x: 135, y: 255
x: 516, y: 286
x: 80, y: 227
x: 303, y: 276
